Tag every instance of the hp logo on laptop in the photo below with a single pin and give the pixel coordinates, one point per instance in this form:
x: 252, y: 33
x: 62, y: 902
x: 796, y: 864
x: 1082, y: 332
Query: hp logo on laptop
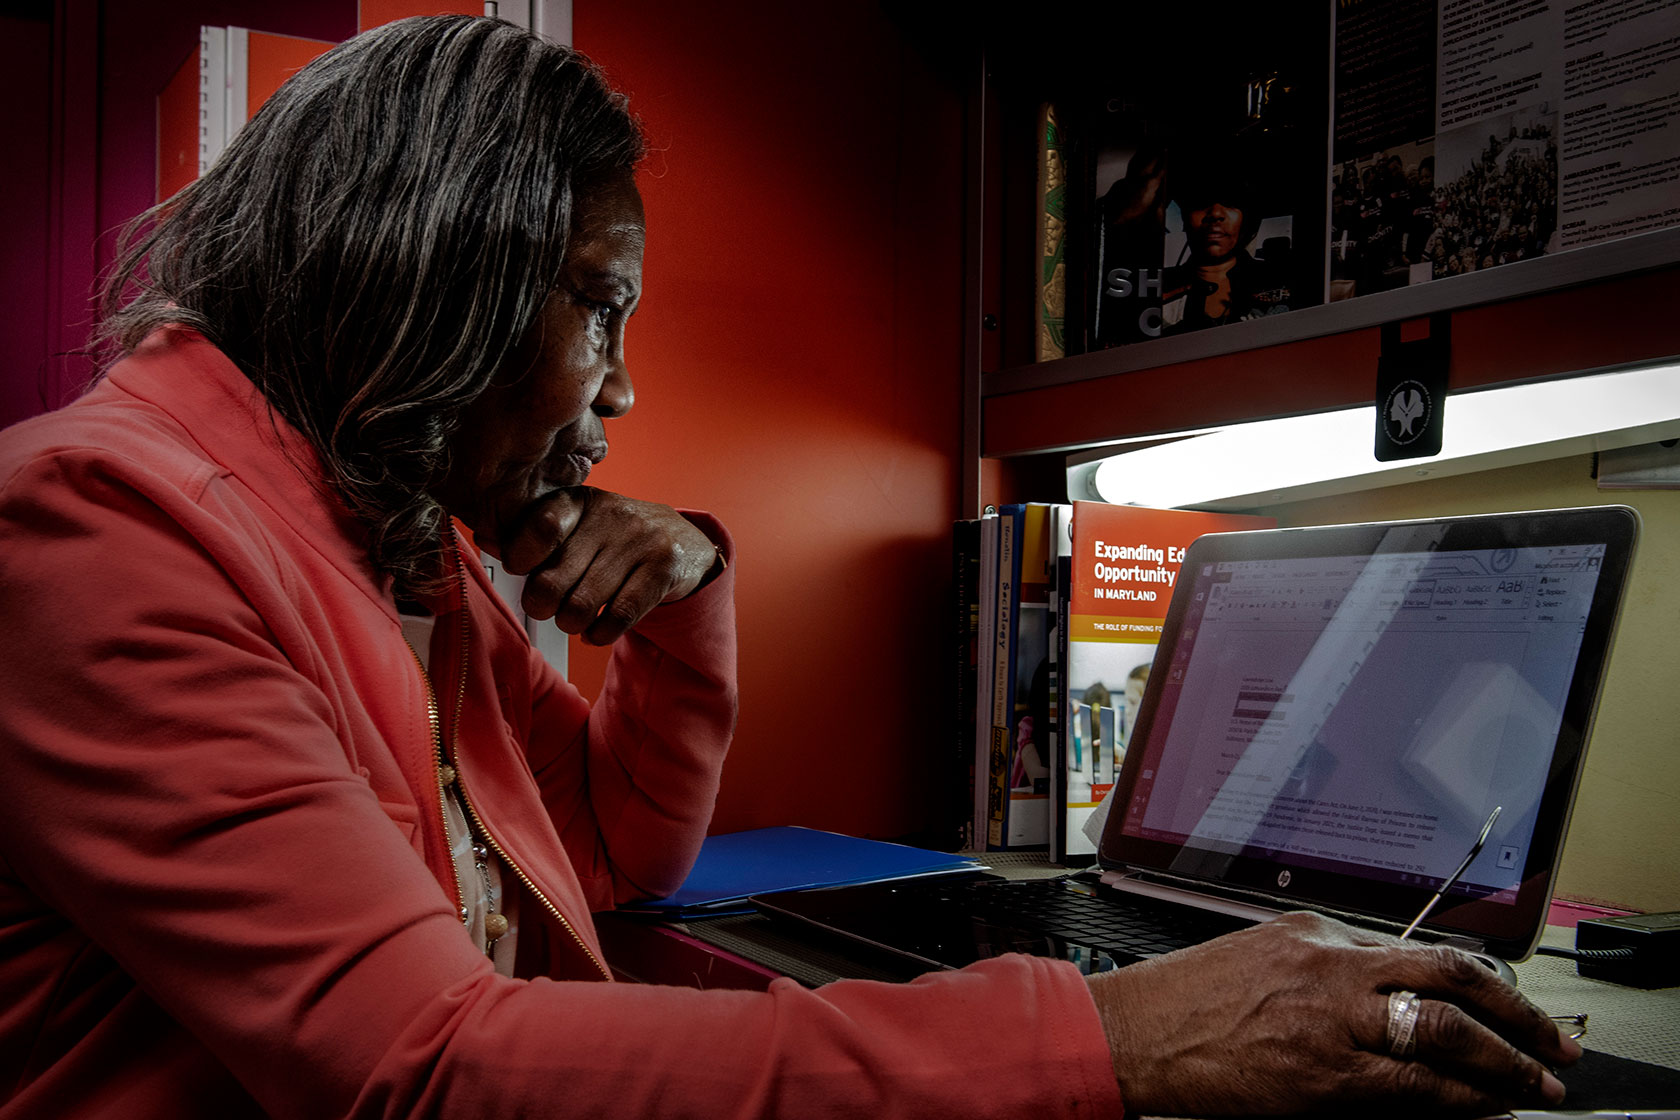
x: 1283, y: 878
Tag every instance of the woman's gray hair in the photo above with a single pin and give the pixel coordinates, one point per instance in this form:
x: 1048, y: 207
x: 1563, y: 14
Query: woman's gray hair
x: 375, y: 244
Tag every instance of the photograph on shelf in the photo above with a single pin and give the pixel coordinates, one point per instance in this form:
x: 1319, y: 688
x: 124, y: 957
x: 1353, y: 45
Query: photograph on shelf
x: 1198, y: 195
x: 1382, y: 221
x: 1192, y: 231
x: 1229, y: 236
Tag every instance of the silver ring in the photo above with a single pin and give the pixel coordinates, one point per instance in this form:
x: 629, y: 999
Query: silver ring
x: 1403, y: 1008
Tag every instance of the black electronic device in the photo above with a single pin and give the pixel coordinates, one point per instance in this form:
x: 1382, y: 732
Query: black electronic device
x: 1638, y: 950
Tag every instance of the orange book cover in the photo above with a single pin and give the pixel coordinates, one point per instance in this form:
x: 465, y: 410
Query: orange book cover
x: 1124, y: 565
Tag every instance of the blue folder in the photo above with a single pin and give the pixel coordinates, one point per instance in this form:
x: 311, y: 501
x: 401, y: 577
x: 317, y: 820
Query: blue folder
x: 735, y: 865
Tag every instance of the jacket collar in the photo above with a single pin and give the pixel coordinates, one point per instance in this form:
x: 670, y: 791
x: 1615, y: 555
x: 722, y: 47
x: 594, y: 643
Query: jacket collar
x: 179, y: 372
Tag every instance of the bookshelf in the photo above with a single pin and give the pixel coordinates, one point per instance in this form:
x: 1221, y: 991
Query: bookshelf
x: 1566, y: 314
x: 1098, y: 398
x: 1562, y: 314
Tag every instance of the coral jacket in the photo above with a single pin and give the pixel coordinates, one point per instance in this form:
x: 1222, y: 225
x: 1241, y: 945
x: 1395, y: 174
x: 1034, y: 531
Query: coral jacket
x: 221, y: 848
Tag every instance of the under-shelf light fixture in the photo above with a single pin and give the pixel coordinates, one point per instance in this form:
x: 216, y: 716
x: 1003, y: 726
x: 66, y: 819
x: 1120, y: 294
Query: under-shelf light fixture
x: 1267, y: 462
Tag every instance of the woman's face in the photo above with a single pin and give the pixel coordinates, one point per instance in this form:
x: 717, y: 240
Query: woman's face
x: 538, y: 427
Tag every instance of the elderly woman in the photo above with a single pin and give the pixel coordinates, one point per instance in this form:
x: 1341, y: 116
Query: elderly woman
x: 297, y: 823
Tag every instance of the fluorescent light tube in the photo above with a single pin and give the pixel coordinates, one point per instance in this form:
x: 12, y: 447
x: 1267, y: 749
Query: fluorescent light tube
x: 1289, y: 459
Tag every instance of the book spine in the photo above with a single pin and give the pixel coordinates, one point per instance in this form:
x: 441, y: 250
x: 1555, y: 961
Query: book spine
x: 1064, y: 697
x: 1055, y: 714
x: 1003, y: 681
x: 965, y: 628
x: 985, y: 644
x: 1029, y: 774
x: 1051, y: 309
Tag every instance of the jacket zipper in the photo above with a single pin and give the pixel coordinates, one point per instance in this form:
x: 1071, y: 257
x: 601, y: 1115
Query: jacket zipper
x: 435, y: 722
x: 452, y: 759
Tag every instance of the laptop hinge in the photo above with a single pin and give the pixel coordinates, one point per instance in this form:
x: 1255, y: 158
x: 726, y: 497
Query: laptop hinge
x: 1259, y: 906
x: 1254, y: 906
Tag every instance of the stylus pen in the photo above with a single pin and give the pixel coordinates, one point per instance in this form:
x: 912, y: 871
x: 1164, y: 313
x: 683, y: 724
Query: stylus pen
x: 1453, y: 878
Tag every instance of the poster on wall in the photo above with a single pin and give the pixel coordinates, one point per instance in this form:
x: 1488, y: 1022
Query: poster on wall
x: 1471, y: 134
x: 1202, y: 171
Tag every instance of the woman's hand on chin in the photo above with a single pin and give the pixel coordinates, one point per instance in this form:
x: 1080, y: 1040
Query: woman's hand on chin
x: 597, y: 562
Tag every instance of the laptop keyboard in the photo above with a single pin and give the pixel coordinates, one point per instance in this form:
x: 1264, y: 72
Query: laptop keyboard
x: 1122, y: 925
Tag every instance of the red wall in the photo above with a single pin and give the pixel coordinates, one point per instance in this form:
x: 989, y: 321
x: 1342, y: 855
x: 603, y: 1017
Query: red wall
x: 81, y: 79
x: 797, y: 365
x: 141, y: 45
x: 797, y: 352
x: 177, y: 128
x: 25, y: 191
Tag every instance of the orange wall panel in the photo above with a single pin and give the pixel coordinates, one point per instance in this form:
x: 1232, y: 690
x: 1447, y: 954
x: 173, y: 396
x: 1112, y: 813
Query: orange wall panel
x: 797, y: 366
x: 270, y: 60
x: 273, y: 59
x: 177, y: 129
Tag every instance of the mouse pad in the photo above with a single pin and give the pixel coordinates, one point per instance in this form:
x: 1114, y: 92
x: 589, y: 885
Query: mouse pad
x: 1604, y: 1081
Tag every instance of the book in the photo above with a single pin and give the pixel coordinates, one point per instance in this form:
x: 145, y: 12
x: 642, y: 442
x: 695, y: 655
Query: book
x: 1050, y: 310
x: 1060, y: 569
x: 1020, y: 762
x: 984, y: 656
x: 1029, y: 787
x: 734, y: 866
x: 964, y: 638
x: 1202, y: 204
x: 1124, y: 563
x: 994, y: 758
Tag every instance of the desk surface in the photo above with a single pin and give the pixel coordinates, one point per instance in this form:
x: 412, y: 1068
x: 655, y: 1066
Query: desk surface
x: 749, y: 950
x: 1626, y: 1022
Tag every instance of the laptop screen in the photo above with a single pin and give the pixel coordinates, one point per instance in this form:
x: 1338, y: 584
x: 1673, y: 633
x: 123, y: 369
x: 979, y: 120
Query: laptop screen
x: 1335, y: 712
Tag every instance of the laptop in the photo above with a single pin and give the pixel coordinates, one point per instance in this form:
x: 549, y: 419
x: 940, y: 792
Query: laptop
x: 1332, y: 716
